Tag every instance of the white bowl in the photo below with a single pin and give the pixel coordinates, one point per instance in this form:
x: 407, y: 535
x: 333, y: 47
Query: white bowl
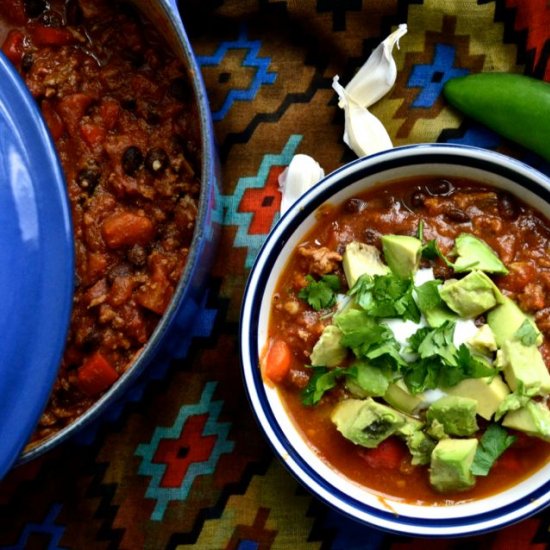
x: 332, y: 487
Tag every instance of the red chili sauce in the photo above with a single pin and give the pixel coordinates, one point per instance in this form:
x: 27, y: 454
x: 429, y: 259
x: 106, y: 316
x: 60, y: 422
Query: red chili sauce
x: 519, y: 235
x: 119, y: 107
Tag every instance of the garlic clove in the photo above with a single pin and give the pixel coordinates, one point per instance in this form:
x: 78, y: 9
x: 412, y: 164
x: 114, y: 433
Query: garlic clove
x: 364, y: 133
x: 301, y: 174
x: 377, y: 76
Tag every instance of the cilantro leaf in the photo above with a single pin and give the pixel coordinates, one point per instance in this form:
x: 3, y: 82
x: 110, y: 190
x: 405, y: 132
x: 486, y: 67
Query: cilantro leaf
x: 386, y: 296
x: 322, y: 380
x: 438, y: 342
x: 427, y: 295
x: 422, y: 375
x: 492, y: 444
x: 526, y: 333
x: 320, y: 294
x: 473, y: 366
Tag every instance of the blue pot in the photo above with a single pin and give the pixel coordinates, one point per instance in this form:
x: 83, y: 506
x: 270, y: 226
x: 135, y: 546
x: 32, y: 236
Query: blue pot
x: 184, y: 305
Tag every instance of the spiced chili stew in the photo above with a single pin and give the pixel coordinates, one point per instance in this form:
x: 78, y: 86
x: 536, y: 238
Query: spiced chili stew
x: 444, y: 209
x: 119, y: 106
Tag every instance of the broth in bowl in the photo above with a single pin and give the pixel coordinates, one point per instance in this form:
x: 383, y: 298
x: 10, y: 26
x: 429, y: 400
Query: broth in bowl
x: 407, y: 339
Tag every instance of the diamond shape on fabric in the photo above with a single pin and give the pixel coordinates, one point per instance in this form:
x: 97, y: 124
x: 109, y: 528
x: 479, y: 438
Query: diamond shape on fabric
x: 248, y: 208
x: 177, y: 455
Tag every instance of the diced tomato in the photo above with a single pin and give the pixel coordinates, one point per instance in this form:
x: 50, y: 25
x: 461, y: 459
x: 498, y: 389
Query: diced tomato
x: 109, y: 111
x: 13, y: 46
x: 96, y: 375
x: 389, y: 454
x: 93, y: 134
x: 72, y: 108
x: 51, y: 36
x: 276, y: 362
x: 53, y: 120
x: 127, y: 229
x: 13, y: 11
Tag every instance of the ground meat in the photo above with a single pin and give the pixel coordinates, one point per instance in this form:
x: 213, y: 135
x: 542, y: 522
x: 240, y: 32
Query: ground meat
x: 320, y: 260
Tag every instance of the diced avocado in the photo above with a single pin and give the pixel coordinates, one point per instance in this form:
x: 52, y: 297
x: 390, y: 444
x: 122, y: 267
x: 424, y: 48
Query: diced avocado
x: 327, y: 351
x: 488, y: 392
x: 451, y: 463
x: 367, y: 380
x: 470, y: 296
x: 457, y: 414
x: 419, y: 444
x: 438, y: 315
x: 473, y: 253
x: 360, y: 259
x: 483, y: 340
x: 366, y: 422
x: 436, y: 430
x: 524, y: 366
x: 505, y: 320
x: 533, y: 419
x: 402, y: 254
x: 398, y: 396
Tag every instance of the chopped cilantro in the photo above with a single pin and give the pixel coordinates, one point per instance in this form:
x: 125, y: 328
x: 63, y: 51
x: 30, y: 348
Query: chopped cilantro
x: 526, y: 333
x: 368, y: 338
x: 322, y: 380
x: 427, y: 295
x: 438, y: 341
x: 320, y: 294
x: 492, y: 444
x: 386, y: 296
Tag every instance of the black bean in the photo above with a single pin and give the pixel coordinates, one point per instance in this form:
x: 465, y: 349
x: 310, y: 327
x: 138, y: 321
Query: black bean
x: 27, y: 62
x: 508, y: 207
x: 74, y: 13
x: 417, y: 199
x: 457, y: 215
x: 129, y: 104
x: 440, y: 187
x: 136, y: 59
x: 156, y: 160
x: 354, y: 205
x: 132, y: 160
x: 91, y: 341
x: 179, y: 89
x: 87, y: 179
x: 50, y: 19
x: 137, y: 255
x: 371, y: 236
x: 152, y: 118
x: 35, y: 8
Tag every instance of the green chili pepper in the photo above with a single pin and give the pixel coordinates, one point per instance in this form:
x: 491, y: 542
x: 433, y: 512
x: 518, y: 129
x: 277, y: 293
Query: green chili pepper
x: 513, y: 105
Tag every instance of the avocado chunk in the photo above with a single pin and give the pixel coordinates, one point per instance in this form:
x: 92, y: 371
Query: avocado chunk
x: 366, y: 422
x: 419, y: 444
x: 327, y: 351
x: 488, y: 393
x: 483, y: 340
x: 505, y: 320
x: 473, y: 253
x: 402, y: 254
x: 524, y: 367
x: 360, y: 259
x: 451, y: 463
x: 456, y: 414
x: 470, y: 296
x: 532, y: 419
x: 398, y: 396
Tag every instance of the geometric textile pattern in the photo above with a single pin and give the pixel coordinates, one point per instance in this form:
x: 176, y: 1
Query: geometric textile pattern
x: 260, y: 77
x: 254, y: 206
x: 179, y: 461
x: 191, y: 447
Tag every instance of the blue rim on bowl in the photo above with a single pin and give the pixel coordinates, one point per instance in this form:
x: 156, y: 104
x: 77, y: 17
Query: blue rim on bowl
x: 487, y: 514
x: 37, y: 272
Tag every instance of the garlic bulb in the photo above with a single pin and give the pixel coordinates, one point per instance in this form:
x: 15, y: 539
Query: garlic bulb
x: 302, y: 173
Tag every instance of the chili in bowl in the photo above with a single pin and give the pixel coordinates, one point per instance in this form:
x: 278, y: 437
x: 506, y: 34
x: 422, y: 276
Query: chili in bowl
x: 394, y: 340
x: 120, y: 91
